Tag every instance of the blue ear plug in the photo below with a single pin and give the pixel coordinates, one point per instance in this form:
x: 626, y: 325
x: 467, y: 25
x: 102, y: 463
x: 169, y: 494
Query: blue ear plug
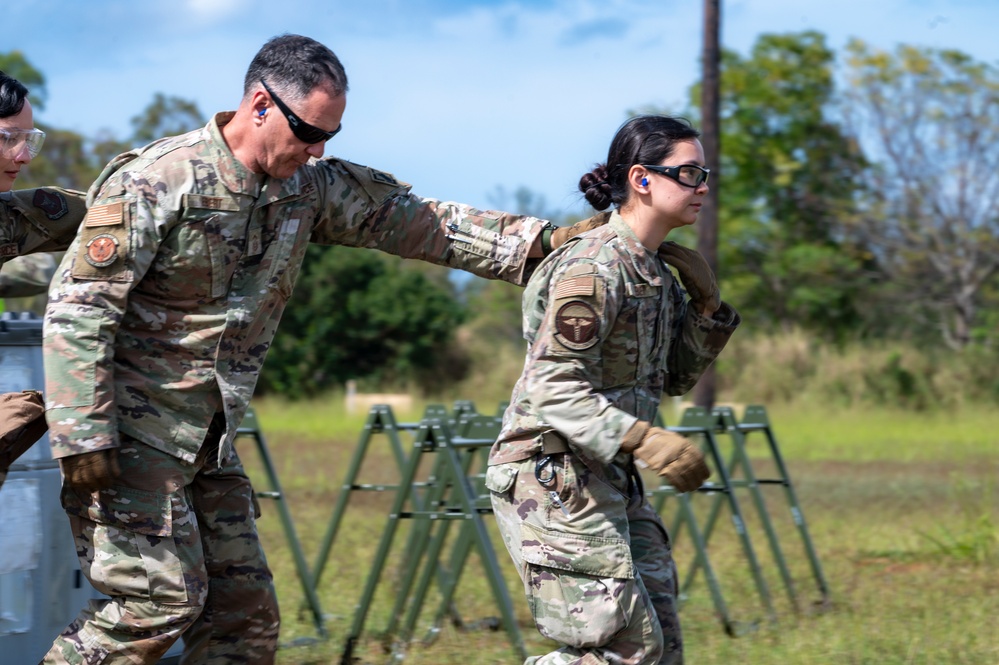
x: 645, y: 181
x: 262, y: 112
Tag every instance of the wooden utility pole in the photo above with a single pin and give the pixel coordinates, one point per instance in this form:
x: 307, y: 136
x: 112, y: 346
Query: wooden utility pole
x: 707, y: 223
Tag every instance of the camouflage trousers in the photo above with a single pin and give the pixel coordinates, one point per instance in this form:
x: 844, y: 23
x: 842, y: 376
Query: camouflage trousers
x: 594, y: 557
x: 174, y: 546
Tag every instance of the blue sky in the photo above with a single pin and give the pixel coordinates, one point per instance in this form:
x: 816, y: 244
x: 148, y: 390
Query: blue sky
x: 456, y: 97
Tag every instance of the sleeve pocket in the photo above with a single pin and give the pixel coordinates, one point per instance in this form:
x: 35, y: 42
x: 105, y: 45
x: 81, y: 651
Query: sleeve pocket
x: 72, y: 331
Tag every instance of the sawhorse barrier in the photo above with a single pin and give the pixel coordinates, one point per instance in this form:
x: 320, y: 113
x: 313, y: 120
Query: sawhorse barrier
x: 449, y: 495
x: 250, y: 427
x: 730, y: 474
x: 452, y: 492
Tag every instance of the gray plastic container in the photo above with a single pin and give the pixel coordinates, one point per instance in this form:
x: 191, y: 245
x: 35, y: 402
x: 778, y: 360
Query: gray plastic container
x: 41, y: 586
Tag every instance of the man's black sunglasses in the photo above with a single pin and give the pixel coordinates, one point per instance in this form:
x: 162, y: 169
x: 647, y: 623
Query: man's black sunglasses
x: 302, y: 130
x: 688, y: 175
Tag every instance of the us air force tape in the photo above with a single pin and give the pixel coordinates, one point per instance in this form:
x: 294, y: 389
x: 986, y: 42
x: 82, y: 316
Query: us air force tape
x: 102, y: 250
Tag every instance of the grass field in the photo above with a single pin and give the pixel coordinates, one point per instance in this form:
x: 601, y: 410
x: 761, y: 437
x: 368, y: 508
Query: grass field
x: 902, y: 508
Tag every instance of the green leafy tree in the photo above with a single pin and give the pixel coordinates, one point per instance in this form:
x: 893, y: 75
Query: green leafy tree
x: 165, y: 116
x: 930, y: 119
x: 16, y: 65
x: 790, y: 182
x: 356, y: 314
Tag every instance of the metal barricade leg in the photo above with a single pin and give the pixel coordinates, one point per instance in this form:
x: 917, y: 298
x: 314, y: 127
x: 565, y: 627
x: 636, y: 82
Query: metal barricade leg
x: 740, y: 460
x: 755, y: 420
x: 380, y: 420
x: 251, y: 427
x: 697, y: 421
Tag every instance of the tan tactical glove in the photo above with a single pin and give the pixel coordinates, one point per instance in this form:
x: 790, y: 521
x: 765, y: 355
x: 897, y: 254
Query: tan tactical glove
x: 563, y: 233
x: 672, y: 456
x: 90, y: 472
x: 22, y: 422
x: 696, y: 275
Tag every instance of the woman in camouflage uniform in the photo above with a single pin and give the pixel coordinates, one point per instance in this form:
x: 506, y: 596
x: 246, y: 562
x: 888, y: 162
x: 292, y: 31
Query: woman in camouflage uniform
x: 27, y: 224
x: 609, y: 331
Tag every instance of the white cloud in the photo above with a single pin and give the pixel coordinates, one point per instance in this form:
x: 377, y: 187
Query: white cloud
x: 212, y: 10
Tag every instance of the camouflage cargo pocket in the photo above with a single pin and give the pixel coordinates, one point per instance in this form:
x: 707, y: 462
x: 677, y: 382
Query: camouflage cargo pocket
x: 581, y: 589
x: 131, y: 549
x: 500, y: 478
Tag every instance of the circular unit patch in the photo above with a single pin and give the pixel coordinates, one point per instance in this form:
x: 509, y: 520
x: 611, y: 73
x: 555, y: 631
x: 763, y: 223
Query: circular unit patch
x: 576, y: 325
x: 102, y: 250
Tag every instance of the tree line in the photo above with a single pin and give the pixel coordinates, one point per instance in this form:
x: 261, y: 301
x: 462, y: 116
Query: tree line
x: 858, y: 200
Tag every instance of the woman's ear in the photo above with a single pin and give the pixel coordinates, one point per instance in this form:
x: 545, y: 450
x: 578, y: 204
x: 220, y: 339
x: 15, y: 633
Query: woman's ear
x: 638, y: 179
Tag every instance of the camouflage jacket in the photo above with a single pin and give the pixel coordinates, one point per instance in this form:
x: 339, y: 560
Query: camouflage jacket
x: 38, y: 220
x: 608, y: 332
x: 163, y: 309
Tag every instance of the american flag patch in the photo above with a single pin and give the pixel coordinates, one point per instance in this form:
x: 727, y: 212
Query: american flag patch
x: 574, y: 286
x: 109, y: 214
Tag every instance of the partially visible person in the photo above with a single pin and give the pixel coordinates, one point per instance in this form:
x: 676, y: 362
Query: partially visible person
x: 42, y: 219
x: 35, y: 220
x: 609, y: 331
x: 159, y: 320
x: 24, y: 283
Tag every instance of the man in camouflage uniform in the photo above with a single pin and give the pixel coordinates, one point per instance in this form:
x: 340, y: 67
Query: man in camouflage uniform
x: 158, y: 323
x: 609, y: 332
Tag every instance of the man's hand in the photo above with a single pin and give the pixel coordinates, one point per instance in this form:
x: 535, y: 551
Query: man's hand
x: 696, y: 275
x: 672, y: 456
x: 90, y: 472
x: 563, y: 233
x: 22, y: 422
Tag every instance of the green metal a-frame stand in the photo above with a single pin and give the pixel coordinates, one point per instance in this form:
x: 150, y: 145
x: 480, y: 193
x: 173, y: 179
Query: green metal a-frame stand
x: 737, y: 472
x: 755, y: 420
x: 698, y: 423
x: 381, y: 421
x: 450, y: 495
x: 250, y: 428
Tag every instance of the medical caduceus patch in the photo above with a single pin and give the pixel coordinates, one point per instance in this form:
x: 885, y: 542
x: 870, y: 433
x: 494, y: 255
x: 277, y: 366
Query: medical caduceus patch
x: 576, y: 325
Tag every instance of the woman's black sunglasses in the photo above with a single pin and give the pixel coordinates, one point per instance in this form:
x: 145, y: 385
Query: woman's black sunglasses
x: 688, y: 175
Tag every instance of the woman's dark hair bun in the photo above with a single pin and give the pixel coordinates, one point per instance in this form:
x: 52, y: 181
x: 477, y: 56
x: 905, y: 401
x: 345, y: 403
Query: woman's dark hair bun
x: 595, y: 188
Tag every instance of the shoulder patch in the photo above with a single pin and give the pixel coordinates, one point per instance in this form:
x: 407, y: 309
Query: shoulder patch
x: 576, y: 325
x: 377, y: 185
x: 381, y: 176
x: 53, y: 204
x: 102, y: 250
x: 575, y: 286
x: 103, y: 246
x: 109, y: 214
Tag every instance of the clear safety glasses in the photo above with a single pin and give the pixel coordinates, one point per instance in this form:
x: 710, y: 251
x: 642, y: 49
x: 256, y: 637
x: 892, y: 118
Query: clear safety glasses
x: 14, y: 141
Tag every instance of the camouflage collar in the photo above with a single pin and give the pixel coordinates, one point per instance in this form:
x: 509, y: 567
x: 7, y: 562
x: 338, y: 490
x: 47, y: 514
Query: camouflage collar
x: 643, y: 259
x: 236, y: 177
x: 241, y: 180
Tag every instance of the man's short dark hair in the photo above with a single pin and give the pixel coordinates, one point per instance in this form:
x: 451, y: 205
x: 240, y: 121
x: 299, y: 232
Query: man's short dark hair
x: 294, y: 65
